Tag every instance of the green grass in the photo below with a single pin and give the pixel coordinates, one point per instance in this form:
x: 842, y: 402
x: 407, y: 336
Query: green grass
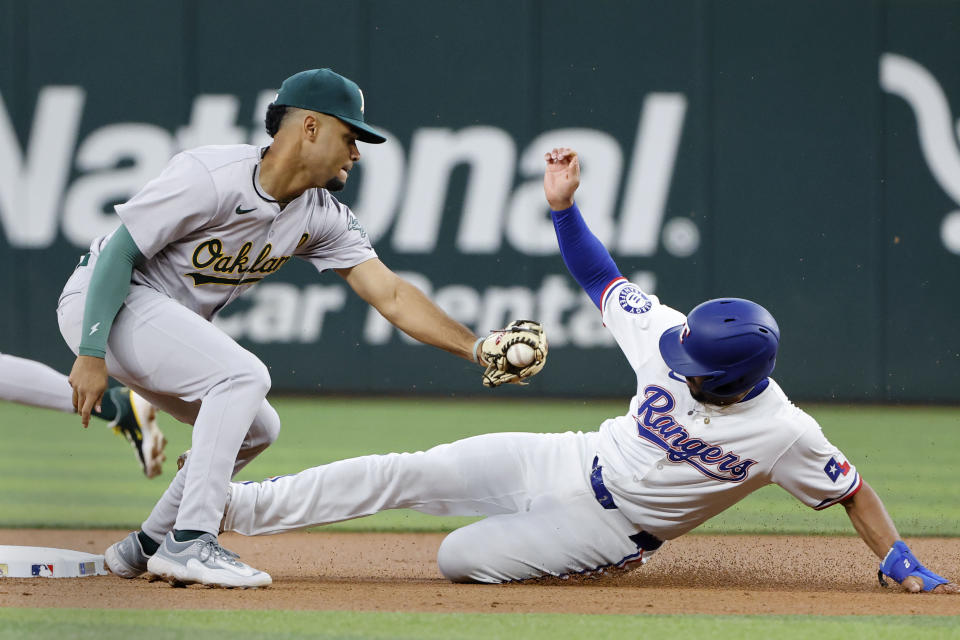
x: 95, y: 624
x: 54, y: 474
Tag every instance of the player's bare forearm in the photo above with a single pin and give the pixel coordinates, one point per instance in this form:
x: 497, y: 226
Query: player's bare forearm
x: 420, y: 318
x: 408, y: 309
x: 876, y: 528
x: 871, y: 520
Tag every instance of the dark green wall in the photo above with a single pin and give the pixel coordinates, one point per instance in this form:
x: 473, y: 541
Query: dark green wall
x: 785, y: 137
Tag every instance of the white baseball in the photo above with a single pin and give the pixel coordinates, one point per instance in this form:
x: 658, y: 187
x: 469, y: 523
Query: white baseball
x: 520, y: 355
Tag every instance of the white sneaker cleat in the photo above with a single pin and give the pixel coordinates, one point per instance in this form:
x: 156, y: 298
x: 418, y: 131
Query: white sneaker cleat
x: 126, y: 559
x: 203, y: 561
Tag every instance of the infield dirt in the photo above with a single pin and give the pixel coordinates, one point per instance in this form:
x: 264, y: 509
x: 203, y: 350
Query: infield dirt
x: 398, y: 572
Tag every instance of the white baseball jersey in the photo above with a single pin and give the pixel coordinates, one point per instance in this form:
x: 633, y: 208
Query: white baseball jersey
x: 671, y: 462
x: 209, y: 231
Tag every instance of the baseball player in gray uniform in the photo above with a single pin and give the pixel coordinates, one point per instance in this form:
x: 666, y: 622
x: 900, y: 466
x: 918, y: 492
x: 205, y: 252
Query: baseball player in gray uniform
x: 706, y: 427
x: 218, y: 220
x: 35, y: 384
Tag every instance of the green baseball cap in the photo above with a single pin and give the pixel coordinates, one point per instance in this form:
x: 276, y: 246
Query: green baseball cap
x: 326, y: 91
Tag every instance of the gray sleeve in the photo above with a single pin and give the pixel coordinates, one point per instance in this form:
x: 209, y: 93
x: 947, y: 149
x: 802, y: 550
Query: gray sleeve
x: 175, y: 203
x: 337, y: 240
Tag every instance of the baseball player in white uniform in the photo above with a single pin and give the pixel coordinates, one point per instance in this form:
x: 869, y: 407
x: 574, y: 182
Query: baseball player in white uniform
x: 35, y: 384
x: 215, y: 222
x: 706, y: 427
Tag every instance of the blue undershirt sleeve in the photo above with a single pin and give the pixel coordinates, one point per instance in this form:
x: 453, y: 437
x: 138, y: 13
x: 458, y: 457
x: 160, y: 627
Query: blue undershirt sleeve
x: 109, y: 286
x: 586, y: 258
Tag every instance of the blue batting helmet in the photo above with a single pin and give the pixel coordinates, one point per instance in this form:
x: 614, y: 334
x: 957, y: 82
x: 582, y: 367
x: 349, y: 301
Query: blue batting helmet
x: 730, y: 341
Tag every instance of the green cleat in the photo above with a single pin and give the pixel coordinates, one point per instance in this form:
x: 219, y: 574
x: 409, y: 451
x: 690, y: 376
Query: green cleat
x: 137, y: 421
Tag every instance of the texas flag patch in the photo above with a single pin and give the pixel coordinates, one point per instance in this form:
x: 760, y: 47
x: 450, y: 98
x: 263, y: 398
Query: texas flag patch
x: 834, y: 470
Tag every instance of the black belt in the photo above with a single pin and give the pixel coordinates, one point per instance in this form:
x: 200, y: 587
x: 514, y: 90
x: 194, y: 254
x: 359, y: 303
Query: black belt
x: 643, y: 540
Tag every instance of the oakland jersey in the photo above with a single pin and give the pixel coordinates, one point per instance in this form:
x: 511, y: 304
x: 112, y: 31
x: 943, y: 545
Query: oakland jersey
x: 209, y: 231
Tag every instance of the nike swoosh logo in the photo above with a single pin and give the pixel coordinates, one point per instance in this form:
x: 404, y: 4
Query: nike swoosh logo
x: 240, y: 210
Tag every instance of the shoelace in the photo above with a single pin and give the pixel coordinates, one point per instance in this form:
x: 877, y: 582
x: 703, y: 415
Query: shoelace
x: 212, y: 548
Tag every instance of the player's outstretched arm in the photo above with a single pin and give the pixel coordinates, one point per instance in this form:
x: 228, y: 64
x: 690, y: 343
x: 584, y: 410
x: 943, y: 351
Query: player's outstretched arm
x: 876, y: 528
x: 408, y: 309
x: 586, y: 258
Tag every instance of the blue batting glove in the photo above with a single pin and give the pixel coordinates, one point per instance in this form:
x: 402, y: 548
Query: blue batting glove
x: 900, y: 563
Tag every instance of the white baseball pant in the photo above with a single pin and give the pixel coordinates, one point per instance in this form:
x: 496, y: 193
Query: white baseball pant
x: 29, y: 382
x: 189, y: 368
x: 543, y: 516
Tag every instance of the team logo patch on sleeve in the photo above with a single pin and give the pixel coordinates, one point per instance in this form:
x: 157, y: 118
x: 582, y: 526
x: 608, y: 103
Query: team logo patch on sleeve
x: 632, y: 300
x: 354, y: 225
x: 835, y: 470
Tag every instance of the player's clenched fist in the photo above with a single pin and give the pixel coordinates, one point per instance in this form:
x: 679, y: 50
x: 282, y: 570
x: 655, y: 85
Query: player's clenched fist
x: 561, y: 177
